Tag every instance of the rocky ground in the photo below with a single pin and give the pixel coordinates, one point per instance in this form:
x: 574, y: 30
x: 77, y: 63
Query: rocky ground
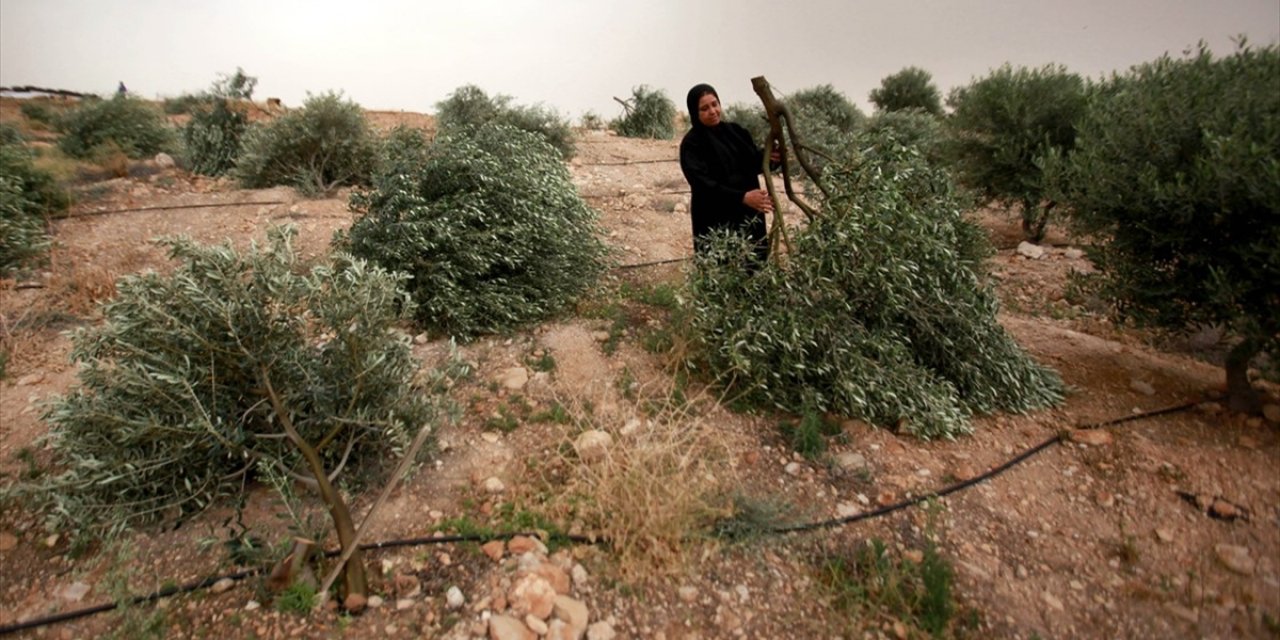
x: 1159, y: 527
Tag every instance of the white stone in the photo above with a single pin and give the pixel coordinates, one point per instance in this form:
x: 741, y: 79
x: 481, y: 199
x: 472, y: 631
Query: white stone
x: 164, y: 161
x: 1052, y: 601
x: 1073, y: 254
x: 74, y: 592
x: 494, y: 485
x: 1142, y: 386
x: 251, y: 605
x: 601, y: 631
x: 579, y: 575
x: 792, y: 468
x: 1236, y: 558
x: 593, y: 445
x: 404, y: 603
x: 375, y: 602
x: 453, y: 598
x: 222, y: 585
x: 844, y: 510
x: 514, y: 378
x: 851, y: 461
x: 1032, y: 251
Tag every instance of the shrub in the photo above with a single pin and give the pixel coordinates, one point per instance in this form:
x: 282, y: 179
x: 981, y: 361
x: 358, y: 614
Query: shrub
x: 213, y: 133
x: 909, y: 89
x: 27, y: 196
x: 649, y: 113
x: 1176, y: 170
x: 825, y: 120
x: 184, y: 103
x: 1002, y: 128
x: 174, y: 406
x: 469, y: 107
x: 134, y: 126
x: 325, y: 144
x: 488, y: 224
x: 38, y: 111
x: 912, y: 128
x: 750, y: 117
x: 879, y: 312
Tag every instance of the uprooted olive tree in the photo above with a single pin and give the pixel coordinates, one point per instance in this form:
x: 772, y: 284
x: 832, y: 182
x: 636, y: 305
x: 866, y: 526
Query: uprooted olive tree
x: 878, y: 309
x: 231, y: 366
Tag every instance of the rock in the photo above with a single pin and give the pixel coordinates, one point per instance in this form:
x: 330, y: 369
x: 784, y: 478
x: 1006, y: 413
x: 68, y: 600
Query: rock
x: 520, y: 545
x: 844, y: 510
x: 1092, y: 437
x: 1224, y: 510
x: 601, y: 631
x: 355, y: 603
x: 964, y: 472
x: 915, y: 556
x: 1052, y: 601
x: 1236, y: 558
x: 165, y: 161
x: 533, y: 594
x: 8, y: 541
x: 1142, y: 386
x: 573, y: 612
x: 600, y: 336
x: 1179, y: 611
x: 593, y: 445
x: 52, y: 540
x: 30, y: 379
x: 681, y: 208
x: 503, y: 627
x: 223, y: 585
x: 1164, y: 535
x: 494, y: 549
x: 535, y: 625
x: 74, y: 592
x: 851, y: 461
x: 793, y: 468
x: 579, y: 575
x: 514, y: 378
x: 421, y: 338
x: 1028, y: 250
x: 554, y: 575
x: 1271, y: 412
x: 375, y: 602
x: 688, y: 593
x: 453, y: 598
x: 1105, y: 499
x: 404, y: 604
x: 886, y: 498
x: 494, y: 485
x: 252, y: 605
x: 1073, y: 254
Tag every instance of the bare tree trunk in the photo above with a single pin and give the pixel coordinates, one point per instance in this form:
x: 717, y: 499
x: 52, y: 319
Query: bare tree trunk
x: 1241, y: 396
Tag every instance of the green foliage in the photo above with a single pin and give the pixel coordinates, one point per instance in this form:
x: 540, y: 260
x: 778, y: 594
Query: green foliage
x: 325, y: 144
x: 172, y: 409
x: 213, y: 133
x: 1177, y: 171
x: 912, y: 128
x: 808, y: 435
x: 825, y: 119
x: 649, y: 114
x: 38, y: 111
x: 9, y: 135
x: 909, y: 89
x: 297, y: 598
x: 879, y: 313
x: 469, y: 107
x: 1003, y: 127
x: 872, y: 584
x: 751, y: 117
x: 486, y: 222
x: 27, y: 196
x: 184, y: 103
x: 134, y: 126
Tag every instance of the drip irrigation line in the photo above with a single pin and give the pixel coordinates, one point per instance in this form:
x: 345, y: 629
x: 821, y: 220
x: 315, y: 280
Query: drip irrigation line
x: 578, y: 539
x: 627, y: 162
x: 88, y: 214
x: 638, y: 265
x: 623, y: 194
x: 965, y: 484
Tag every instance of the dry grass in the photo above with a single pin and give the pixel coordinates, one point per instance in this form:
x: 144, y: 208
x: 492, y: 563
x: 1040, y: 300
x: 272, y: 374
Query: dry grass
x: 653, y: 496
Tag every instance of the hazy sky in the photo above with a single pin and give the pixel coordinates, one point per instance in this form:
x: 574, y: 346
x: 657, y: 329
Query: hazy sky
x: 575, y: 55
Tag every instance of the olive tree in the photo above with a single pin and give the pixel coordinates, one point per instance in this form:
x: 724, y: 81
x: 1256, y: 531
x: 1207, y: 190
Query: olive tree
x: 911, y: 88
x: 1003, y: 126
x: 1176, y: 171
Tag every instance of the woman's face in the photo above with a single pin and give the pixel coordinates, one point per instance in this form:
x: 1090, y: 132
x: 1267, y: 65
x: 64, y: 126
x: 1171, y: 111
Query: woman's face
x: 709, y: 110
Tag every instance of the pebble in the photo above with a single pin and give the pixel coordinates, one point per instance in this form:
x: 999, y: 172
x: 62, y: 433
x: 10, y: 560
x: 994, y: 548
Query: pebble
x: 601, y: 630
x: 579, y: 575
x: 8, y: 541
x: 964, y: 472
x: 1142, y: 386
x: 30, y: 379
x: 1179, y: 611
x: 514, y: 378
x: 403, y: 604
x: 223, y: 585
x: 844, y: 510
x: 1224, y: 510
x: 1235, y: 558
x: 1164, y: 535
x: 851, y: 461
x: 1052, y: 601
x: 1029, y: 250
x: 252, y: 605
x: 494, y: 549
x: 453, y: 598
x: 375, y: 602
x: 503, y: 627
x: 355, y: 603
x: 74, y: 592
x: 494, y: 485
x: 593, y: 445
x: 1092, y: 437
x: 520, y: 545
x: 688, y: 593
x: 1271, y: 412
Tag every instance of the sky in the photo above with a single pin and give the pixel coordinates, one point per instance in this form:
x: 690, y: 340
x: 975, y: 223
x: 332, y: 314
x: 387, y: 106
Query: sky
x: 577, y: 55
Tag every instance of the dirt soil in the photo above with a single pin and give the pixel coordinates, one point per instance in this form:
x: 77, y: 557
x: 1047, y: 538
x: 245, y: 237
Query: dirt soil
x: 1166, y: 527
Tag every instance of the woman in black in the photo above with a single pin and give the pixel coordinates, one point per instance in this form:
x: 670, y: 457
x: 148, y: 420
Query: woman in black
x: 721, y: 161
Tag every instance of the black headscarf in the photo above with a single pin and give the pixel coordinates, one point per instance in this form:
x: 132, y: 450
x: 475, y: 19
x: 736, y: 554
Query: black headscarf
x: 691, y: 101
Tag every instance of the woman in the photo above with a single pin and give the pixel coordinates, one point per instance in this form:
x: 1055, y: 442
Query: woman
x: 721, y: 161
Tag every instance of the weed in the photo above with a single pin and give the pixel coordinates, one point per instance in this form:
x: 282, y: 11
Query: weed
x: 556, y: 413
x: 30, y: 468
x: 298, y: 598
x: 754, y: 518
x: 874, y: 585
x: 505, y: 421
x: 134, y: 622
x: 627, y: 384
x: 808, y: 436
x: 543, y: 362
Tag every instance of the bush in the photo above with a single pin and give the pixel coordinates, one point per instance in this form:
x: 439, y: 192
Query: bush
x: 912, y: 128
x: 213, y: 133
x: 750, y: 117
x: 134, y: 126
x: 879, y: 312
x: 1003, y: 127
x: 488, y: 224
x: 649, y: 113
x: 1176, y: 170
x: 27, y: 196
x: 185, y: 103
x: 469, y: 107
x: 909, y: 89
x: 38, y: 111
x: 173, y: 408
x: 325, y: 144
x: 825, y: 120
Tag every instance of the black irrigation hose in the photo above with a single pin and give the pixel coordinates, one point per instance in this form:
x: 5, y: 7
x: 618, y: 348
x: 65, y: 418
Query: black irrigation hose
x: 88, y: 214
x: 991, y: 473
x: 624, y: 267
x: 627, y: 162
x: 411, y: 542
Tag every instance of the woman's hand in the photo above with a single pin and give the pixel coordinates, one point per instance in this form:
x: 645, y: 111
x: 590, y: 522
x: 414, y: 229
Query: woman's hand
x: 758, y: 200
